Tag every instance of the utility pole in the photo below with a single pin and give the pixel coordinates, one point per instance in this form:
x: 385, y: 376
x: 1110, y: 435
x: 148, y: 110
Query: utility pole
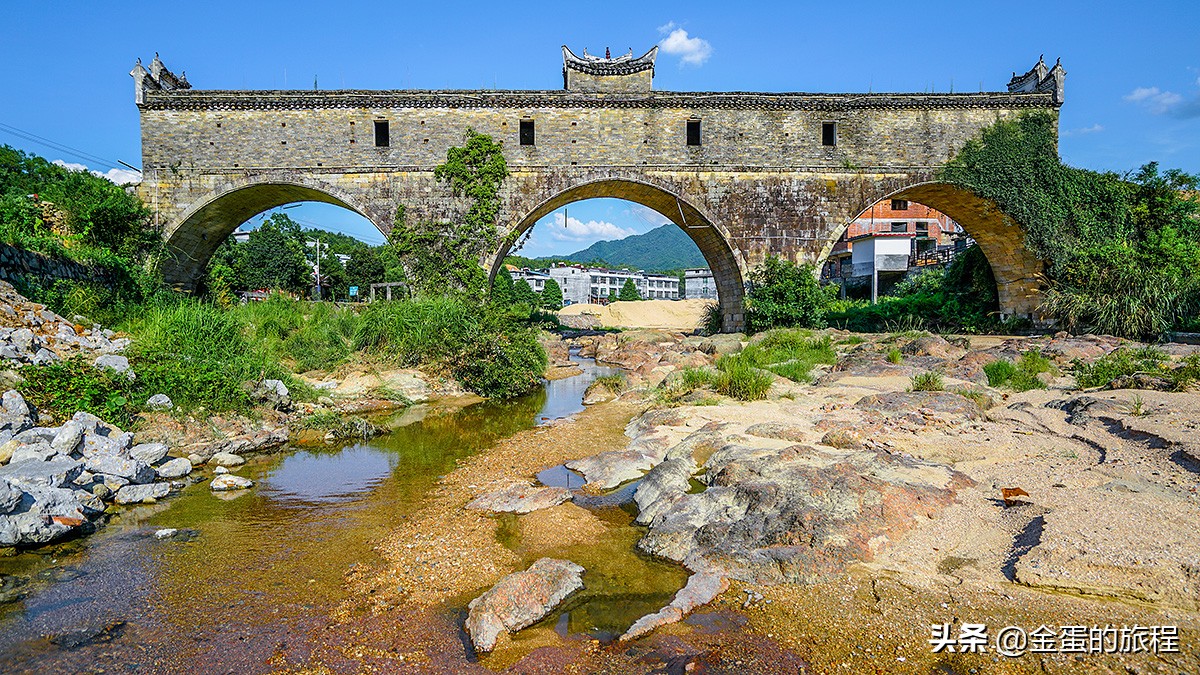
x: 317, y: 244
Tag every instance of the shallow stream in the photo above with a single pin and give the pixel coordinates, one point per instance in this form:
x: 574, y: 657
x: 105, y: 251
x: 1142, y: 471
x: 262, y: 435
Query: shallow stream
x: 251, y: 571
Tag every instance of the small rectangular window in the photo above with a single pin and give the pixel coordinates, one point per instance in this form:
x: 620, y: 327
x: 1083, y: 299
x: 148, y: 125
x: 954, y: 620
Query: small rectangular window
x: 526, y: 132
x: 900, y: 227
x: 829, y: 133
x: 922, y: 229
x: 693, y: 132
x: 899, y: 204
x: 382, y: 134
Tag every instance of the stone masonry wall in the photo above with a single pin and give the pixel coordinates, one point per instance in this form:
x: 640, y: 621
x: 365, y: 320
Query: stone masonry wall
x: 19, y: 266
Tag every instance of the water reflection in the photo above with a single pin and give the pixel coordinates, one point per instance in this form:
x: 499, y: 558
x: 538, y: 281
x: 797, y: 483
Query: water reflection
x: 565, y: 397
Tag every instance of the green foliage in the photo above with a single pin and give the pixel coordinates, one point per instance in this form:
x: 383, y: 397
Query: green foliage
x: 1021, y: 376
x: 782, y: 295
x: 1123, y: 254
x: 612, y: 296
x: 274, y: 257
x: 614, y: 383
x: 928, y: 381
x: 486, y: 351
x: 63, y: 388
x: 962, y: 298
x: 894, y: 356
x: 552, y: 297
x: 999, y: 372
x: 503, y: 293
x: 629, y: 292
x: 365, y: 267
x: 444, y: 257
x: 523, y: 294
x: 199, y: 355
x: 977, y: 396
x: 1120, y: 363
x: 789, y: 353
x: 738, y: 377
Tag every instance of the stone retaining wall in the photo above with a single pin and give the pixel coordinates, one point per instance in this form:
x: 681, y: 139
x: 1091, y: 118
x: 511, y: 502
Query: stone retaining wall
x: 20, y: 266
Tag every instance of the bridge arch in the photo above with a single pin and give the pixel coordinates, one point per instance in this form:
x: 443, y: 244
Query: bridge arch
x: 195, y: 235
x: 1018, y: 273
x: 711, y: 237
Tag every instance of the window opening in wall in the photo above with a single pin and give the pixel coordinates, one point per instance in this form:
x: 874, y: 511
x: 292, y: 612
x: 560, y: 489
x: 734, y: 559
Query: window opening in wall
x: 829, y: 133
x: 693, y: 132
x: 922, y: 229
x: 900, y: 227
x: 526, y: 132
x: 382, y: 134
x: 899, y: 204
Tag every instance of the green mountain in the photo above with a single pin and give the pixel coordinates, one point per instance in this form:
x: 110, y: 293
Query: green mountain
x: 664, y: 249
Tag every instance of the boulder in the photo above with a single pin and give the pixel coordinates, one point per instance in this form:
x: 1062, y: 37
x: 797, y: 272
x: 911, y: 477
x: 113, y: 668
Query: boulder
x: 230, y: 482
x: 7, y: 448
x: 42, y: 357
x: 520, y: 600
x: 10, y: 496
x: 176, y: 467
x: 57, y: 472
x: 935, y: 346
x: 38, y: 451
x: 227, y: 459
x: 68, y: 438
x: 116, y: 363
x: 701, y: 589
x: 136, y: 494
x: 273, y: 393
x: 150, y: 453
x: 43, y: 514
x: 520, y: 498
x: 128, y: 468
x: 159, y: 402
x: 661, y: 487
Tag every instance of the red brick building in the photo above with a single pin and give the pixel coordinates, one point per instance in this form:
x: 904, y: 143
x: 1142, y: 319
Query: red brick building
x: 929, y: 231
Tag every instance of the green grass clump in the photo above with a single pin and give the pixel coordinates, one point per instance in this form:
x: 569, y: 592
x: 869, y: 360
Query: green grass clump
x: 999, y: 372
x: 1120, y: 363
x: 738, y: 377
x: 894, y: 356
x: 980, y: 398
x: 712, y: 321
x: 790, y: 353
x: 927, y: 381
x: 613, y: 383
x: 1187, y: 374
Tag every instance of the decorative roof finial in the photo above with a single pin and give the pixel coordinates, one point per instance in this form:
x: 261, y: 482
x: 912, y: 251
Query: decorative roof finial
x: 607, y: 54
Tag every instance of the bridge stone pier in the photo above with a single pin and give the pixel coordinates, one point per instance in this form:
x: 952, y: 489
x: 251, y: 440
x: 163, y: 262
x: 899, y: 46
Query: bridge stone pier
x: 746, y: 175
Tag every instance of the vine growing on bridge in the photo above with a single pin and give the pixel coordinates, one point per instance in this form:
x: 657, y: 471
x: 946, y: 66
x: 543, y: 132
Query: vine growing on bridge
x: 1122, y: 252
x: 443, y: 257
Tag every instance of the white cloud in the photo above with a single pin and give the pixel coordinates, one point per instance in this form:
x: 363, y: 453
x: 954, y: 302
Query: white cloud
x: 645, y: 214
x: 1094, y: 129
x: 1156, y: 100
x: 594, y: 230
x: 118, y: 176
x: 692, y: 51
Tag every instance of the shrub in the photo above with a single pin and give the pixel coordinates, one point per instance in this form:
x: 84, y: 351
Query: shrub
x: 894, y: 356
x: 1120, y: 363
x: 501, y: 363
x: 927, y: 381
x: 790, y: 353
x: 61, y: 389
x: 713, y: 320
x: 1187, y: 374
x: 999, y: 372
x: 782, y: 295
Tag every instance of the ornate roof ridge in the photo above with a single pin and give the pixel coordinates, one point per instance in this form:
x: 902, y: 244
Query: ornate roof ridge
x: 621, y: 65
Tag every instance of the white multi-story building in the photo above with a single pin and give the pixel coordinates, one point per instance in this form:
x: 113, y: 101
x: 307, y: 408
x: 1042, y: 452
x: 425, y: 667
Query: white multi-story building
x: 699, y: 283
x: 581, y: 284
x: 536, y: 278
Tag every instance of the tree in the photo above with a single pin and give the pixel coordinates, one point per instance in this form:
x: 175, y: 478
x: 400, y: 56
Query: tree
x: 629, y: 292
x: 333, y: 278
x: 552, y: 297
x: 523, y: 294
x: 503, y: 292
x: 612, y: 296
x: 784, y: 295
x: 275, y: 260
x: 365, y: 267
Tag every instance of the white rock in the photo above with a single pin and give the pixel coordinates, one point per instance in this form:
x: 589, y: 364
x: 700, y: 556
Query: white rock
x: 149, y: 453
x: 221, y: 470
x: 176, y: 467
x: 165, y: 533
x: 115, y: 362
x: 230, y: 482
x: 67, y: 440
x: 133, y: 494
x: 159, y: 402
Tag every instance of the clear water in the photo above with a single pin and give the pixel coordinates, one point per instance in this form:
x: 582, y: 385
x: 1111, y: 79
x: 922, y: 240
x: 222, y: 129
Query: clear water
x: 256, y: 568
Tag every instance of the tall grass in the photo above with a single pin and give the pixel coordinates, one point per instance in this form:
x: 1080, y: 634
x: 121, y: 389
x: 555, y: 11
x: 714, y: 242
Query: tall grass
x: 790, y: 353
x: 1022, y: 375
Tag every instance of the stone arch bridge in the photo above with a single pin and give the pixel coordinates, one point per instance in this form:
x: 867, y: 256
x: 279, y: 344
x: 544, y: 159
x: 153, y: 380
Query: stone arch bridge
x: 746, y: 175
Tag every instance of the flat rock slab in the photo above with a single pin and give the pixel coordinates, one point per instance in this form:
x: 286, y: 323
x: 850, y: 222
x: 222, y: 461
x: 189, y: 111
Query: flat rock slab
x: 521, y: 599
x: 136, y: 494
x: 520, y: 498
x: 701, y: 589
x: 54, y: 473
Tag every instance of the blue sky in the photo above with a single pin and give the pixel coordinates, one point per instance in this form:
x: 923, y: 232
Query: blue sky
x: 1132, y: 91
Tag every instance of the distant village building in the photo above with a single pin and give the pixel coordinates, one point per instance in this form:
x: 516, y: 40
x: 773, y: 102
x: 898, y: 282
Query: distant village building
x: 894, y: 236
x: 699, y: 284
x: 581, y: 284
